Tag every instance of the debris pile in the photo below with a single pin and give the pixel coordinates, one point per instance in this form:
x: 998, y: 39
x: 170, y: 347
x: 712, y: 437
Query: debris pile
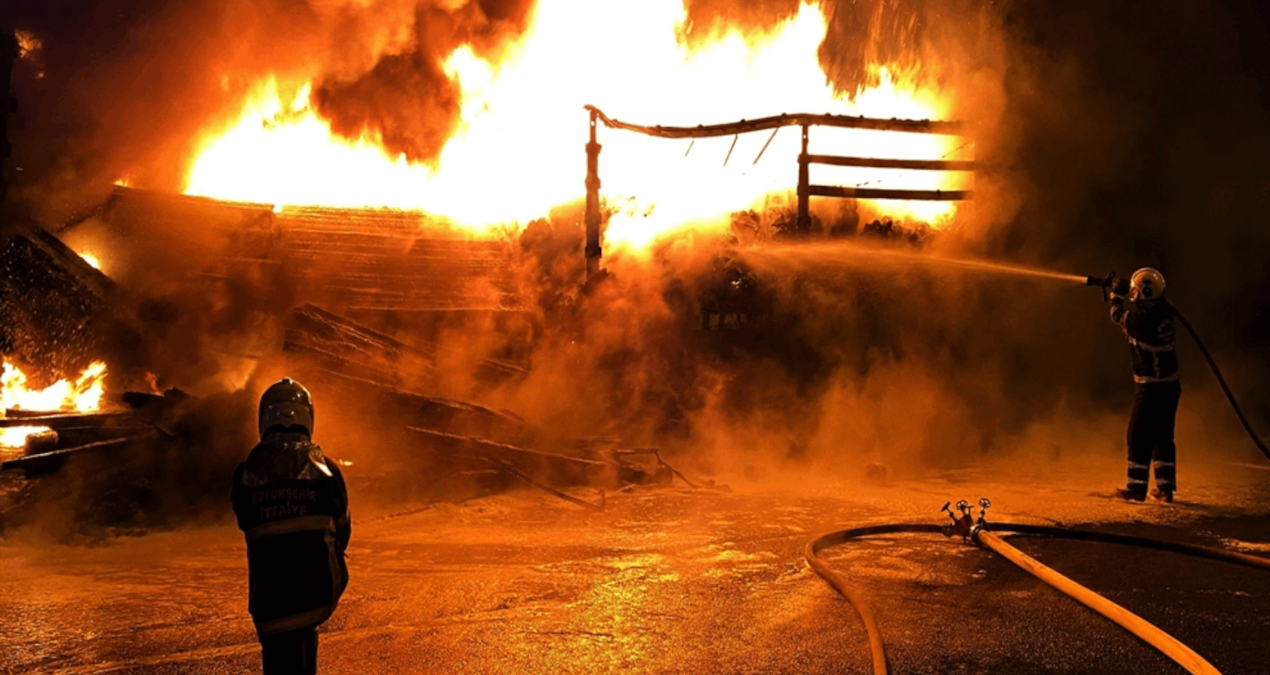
x: 331, y: 295
x: 52, y: 304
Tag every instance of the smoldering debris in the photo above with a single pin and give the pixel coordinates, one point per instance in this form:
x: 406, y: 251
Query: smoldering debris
x: 349, y: 349
x: 148, y: 455
x: 54, y: 304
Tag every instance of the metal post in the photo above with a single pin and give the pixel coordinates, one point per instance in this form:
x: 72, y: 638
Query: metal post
x: 8, y: 55
x: 804, y: 188
x: 592, y: 206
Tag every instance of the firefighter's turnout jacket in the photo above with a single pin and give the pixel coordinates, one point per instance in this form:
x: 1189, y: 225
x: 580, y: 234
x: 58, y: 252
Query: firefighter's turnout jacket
x: 292, y: 507
x: 1150, y: 333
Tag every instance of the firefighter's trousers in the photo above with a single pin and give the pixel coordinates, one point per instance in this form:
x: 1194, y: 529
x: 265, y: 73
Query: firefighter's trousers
x: 1150, y: 436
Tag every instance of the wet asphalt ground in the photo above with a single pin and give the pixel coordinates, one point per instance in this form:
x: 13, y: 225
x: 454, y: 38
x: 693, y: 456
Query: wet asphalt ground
x: 672, y: 580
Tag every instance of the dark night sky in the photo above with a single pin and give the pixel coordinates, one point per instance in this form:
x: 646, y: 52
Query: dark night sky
x: 1152, y: 147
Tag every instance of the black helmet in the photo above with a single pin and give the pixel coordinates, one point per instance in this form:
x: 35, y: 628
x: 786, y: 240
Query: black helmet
x: 286, y: 403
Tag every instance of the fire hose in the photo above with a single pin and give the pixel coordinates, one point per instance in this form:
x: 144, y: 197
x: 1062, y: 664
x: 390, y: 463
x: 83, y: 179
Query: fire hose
x: 985, y: 534
x: 1225, y: 388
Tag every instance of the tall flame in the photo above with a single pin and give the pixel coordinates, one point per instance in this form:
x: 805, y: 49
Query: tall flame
x: 82, y: 395
x: 518, y: 150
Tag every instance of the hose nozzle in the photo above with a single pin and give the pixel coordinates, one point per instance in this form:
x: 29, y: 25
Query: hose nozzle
x: 1105, y: 283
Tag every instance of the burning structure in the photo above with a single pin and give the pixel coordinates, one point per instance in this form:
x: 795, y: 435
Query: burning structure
x: 382, y: 268
x: 580, y: 246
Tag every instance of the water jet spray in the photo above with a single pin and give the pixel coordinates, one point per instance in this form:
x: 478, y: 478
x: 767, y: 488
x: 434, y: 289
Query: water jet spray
x: 854, y: 255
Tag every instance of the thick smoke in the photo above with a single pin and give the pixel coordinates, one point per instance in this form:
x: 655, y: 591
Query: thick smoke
x: 1103, y: 150
x: 921, y: 38
x: 1116, y: 135
x: 407, y: 98
x: 1136, y: 135
x: 127, y: 90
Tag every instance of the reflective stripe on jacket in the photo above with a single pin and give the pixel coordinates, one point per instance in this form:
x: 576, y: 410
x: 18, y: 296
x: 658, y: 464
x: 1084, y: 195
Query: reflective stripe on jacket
x: 296, y: 528
x: 1149, y: 330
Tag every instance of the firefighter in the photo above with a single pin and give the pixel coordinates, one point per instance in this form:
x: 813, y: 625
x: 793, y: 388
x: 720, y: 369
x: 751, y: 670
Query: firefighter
x: 1147, y: 322
x: 292, y: 507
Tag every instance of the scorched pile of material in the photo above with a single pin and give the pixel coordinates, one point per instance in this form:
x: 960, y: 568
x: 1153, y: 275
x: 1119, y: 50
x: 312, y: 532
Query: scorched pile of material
x: 350, y: 302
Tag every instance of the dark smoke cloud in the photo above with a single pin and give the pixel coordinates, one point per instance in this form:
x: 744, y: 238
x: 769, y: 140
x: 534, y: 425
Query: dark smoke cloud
x: 1137, y: 134
x: 912, y: 36
x: 127, y: 89
x: 406, y: 97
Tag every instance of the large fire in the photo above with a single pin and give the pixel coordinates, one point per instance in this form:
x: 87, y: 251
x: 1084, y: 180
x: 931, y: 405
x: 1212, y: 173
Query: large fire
x: 518, y: 150
x: 82, y: 395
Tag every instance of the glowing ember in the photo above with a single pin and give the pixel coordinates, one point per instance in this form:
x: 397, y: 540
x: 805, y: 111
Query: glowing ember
x: 518, y: 149
x: 91, y: 260
x: 82, y: 395
x: 27, y: 43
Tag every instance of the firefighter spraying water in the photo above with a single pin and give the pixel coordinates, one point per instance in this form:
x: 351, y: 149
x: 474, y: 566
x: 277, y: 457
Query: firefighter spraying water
x: 1148, y: 325
x: 1147, y: 322
x: 1137, y: 304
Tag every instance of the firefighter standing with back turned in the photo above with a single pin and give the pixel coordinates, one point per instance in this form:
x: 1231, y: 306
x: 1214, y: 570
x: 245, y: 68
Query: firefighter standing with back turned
x: 292, y: 507
x: 1147, y: 321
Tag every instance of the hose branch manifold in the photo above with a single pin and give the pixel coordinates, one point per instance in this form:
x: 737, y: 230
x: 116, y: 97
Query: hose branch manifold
x: 966, y: 526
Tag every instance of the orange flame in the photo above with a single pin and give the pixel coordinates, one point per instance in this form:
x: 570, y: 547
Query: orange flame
x: 518, y: 150
x: 82, y: 395
x: 27, y: 42
x: 15, y: 437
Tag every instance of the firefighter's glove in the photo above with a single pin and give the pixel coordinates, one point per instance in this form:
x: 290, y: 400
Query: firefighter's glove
x: 1120, y: 287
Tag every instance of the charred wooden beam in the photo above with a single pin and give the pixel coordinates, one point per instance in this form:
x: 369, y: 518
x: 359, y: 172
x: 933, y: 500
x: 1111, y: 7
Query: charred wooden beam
x: 339, y: 365
x: 877, y: 163
x: 331, y: 327
x: 508, y: 450
x: 878, y: 193
x: 513, y: 471
x: 15, y: 418
x: 71, y: 437
x: 48, y: 462
x: 592, y: 217
x: 363, y: 259
x: 784, y: 120
x: 344, y: 346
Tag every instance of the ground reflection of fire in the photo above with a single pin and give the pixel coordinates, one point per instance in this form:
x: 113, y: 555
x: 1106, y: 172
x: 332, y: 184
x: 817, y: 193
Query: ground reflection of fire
x: 516, y: 152
x: 83, y: 395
